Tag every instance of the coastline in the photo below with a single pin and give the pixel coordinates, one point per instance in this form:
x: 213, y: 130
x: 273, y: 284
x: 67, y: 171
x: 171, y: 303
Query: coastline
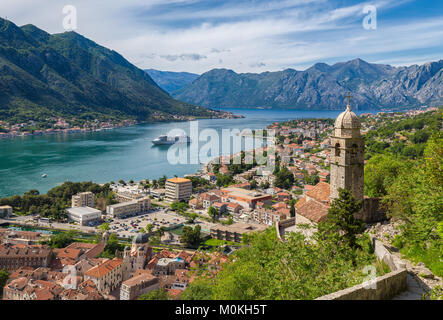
x: 123, y: 124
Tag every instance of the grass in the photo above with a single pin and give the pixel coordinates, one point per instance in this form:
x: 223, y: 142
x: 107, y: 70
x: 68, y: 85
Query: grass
x: 217, y: 243
x: 431, y: 258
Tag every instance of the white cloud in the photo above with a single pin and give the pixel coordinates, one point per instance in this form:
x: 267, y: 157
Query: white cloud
x: 267, y: 36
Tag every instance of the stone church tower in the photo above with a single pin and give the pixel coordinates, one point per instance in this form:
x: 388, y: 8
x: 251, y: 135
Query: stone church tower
x: 347, y: 155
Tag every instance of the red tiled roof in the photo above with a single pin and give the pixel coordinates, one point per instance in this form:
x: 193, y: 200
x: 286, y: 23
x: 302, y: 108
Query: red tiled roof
x: 67, y: 253
x: 300, y: 203
x: 104, y: 268
x: 320, y: 192
x: 313, y: 210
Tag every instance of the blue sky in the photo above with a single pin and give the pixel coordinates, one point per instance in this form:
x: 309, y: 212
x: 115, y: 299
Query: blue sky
x: 247, y: 35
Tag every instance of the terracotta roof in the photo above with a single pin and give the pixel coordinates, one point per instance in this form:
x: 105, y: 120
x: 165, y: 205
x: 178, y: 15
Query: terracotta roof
x: 141, y: 278
x: 279, y: 205
x: 104, y: 268
x: 68, y: 253
x: 17, y: 250
x: 81, y: 245
x: 179, y: 180
x: 193, y: 201
x: 313, y: 210
x: 209, y: 197
x: 174, y: 293
x: 320, y: 192
x: 300, y: 203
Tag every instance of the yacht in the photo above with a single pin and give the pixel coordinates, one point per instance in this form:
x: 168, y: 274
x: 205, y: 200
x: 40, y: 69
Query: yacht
x: 165, y: 140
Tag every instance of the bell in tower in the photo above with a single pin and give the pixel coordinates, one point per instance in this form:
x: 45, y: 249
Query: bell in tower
x: 347, y: 154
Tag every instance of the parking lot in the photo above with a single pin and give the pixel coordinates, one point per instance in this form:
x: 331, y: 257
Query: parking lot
x: 128, y: 227
x: 159, y: 217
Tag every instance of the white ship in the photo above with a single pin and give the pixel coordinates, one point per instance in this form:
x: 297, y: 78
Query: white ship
x: 165, y: 140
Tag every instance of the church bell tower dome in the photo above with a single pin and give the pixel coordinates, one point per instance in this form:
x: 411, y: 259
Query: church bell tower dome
x: 347, y: 120
x: 347, y: 124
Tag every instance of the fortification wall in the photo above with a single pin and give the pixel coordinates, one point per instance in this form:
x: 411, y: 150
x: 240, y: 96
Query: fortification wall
x: 371, y: 211
x: 381, y: 288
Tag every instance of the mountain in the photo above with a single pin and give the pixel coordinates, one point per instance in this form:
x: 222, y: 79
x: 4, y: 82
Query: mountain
x: 171, y: 81
x: 322, y: 86
x: 69, y: 75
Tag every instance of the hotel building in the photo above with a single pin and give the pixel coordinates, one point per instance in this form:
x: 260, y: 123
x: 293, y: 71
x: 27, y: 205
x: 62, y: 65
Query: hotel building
x: 83, y: 199
x: 178, y: 189
x: 129, y: 208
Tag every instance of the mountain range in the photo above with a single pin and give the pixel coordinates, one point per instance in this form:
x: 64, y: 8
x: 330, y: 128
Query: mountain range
x: 171, y: 81
x: 66, y: 74
x: 320, y: 87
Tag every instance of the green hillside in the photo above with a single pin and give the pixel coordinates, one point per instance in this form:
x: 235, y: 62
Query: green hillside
x: 69, y: 75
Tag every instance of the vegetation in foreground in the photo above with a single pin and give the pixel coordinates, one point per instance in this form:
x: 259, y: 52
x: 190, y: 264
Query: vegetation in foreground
x: 267, y: 268
x: 411, y: 185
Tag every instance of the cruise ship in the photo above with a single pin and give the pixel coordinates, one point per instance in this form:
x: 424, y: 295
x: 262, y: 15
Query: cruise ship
x: 165, y: 140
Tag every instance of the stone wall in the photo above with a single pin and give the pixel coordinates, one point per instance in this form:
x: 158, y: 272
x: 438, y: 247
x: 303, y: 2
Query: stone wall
x: 287, y: 223
x: 371, y: 211
x: 383, y: 254
x: 386, y: 286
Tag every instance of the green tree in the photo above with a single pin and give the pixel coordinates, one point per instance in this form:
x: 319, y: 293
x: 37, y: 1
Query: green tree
x: 341, y: 218
x: 292, y: 209
x: 149, y: 227
x: 200, y: 289
x: 63, y: 239
x: 179, y: 206
x: 191, y: 236
x: 112, y: 246
x: 213, y: 213
x: 159, y: 294
x: 284, y: 178
x: 380, y: 172
x: 104, y: 227
x: 4, y: 276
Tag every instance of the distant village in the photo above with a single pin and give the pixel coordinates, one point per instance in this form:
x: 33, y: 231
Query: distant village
x: 226, y: 201
x: 59, y: 125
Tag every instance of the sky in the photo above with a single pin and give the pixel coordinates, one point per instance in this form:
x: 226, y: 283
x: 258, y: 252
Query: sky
x: 247, y: 35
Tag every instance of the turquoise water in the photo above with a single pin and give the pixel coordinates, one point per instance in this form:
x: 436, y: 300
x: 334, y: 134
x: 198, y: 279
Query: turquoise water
x: 123, y: 153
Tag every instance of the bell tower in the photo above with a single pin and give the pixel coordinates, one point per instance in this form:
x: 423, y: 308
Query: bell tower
x: 347, y: 154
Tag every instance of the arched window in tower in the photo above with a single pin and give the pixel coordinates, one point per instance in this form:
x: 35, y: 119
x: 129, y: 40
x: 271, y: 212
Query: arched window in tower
x: 337, y: 149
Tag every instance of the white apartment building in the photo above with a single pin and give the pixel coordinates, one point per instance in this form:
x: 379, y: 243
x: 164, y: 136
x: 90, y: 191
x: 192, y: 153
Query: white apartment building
x: 83, y: 199
x: 178, y: 189
x: 129, y: 208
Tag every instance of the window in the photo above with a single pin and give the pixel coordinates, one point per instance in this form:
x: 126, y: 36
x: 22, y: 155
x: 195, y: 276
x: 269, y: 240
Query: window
x: 337, y: 149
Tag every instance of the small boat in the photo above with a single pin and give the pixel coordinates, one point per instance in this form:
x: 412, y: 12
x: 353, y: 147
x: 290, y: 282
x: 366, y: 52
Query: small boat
x: 165, y: 140
x: 44, y: 175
